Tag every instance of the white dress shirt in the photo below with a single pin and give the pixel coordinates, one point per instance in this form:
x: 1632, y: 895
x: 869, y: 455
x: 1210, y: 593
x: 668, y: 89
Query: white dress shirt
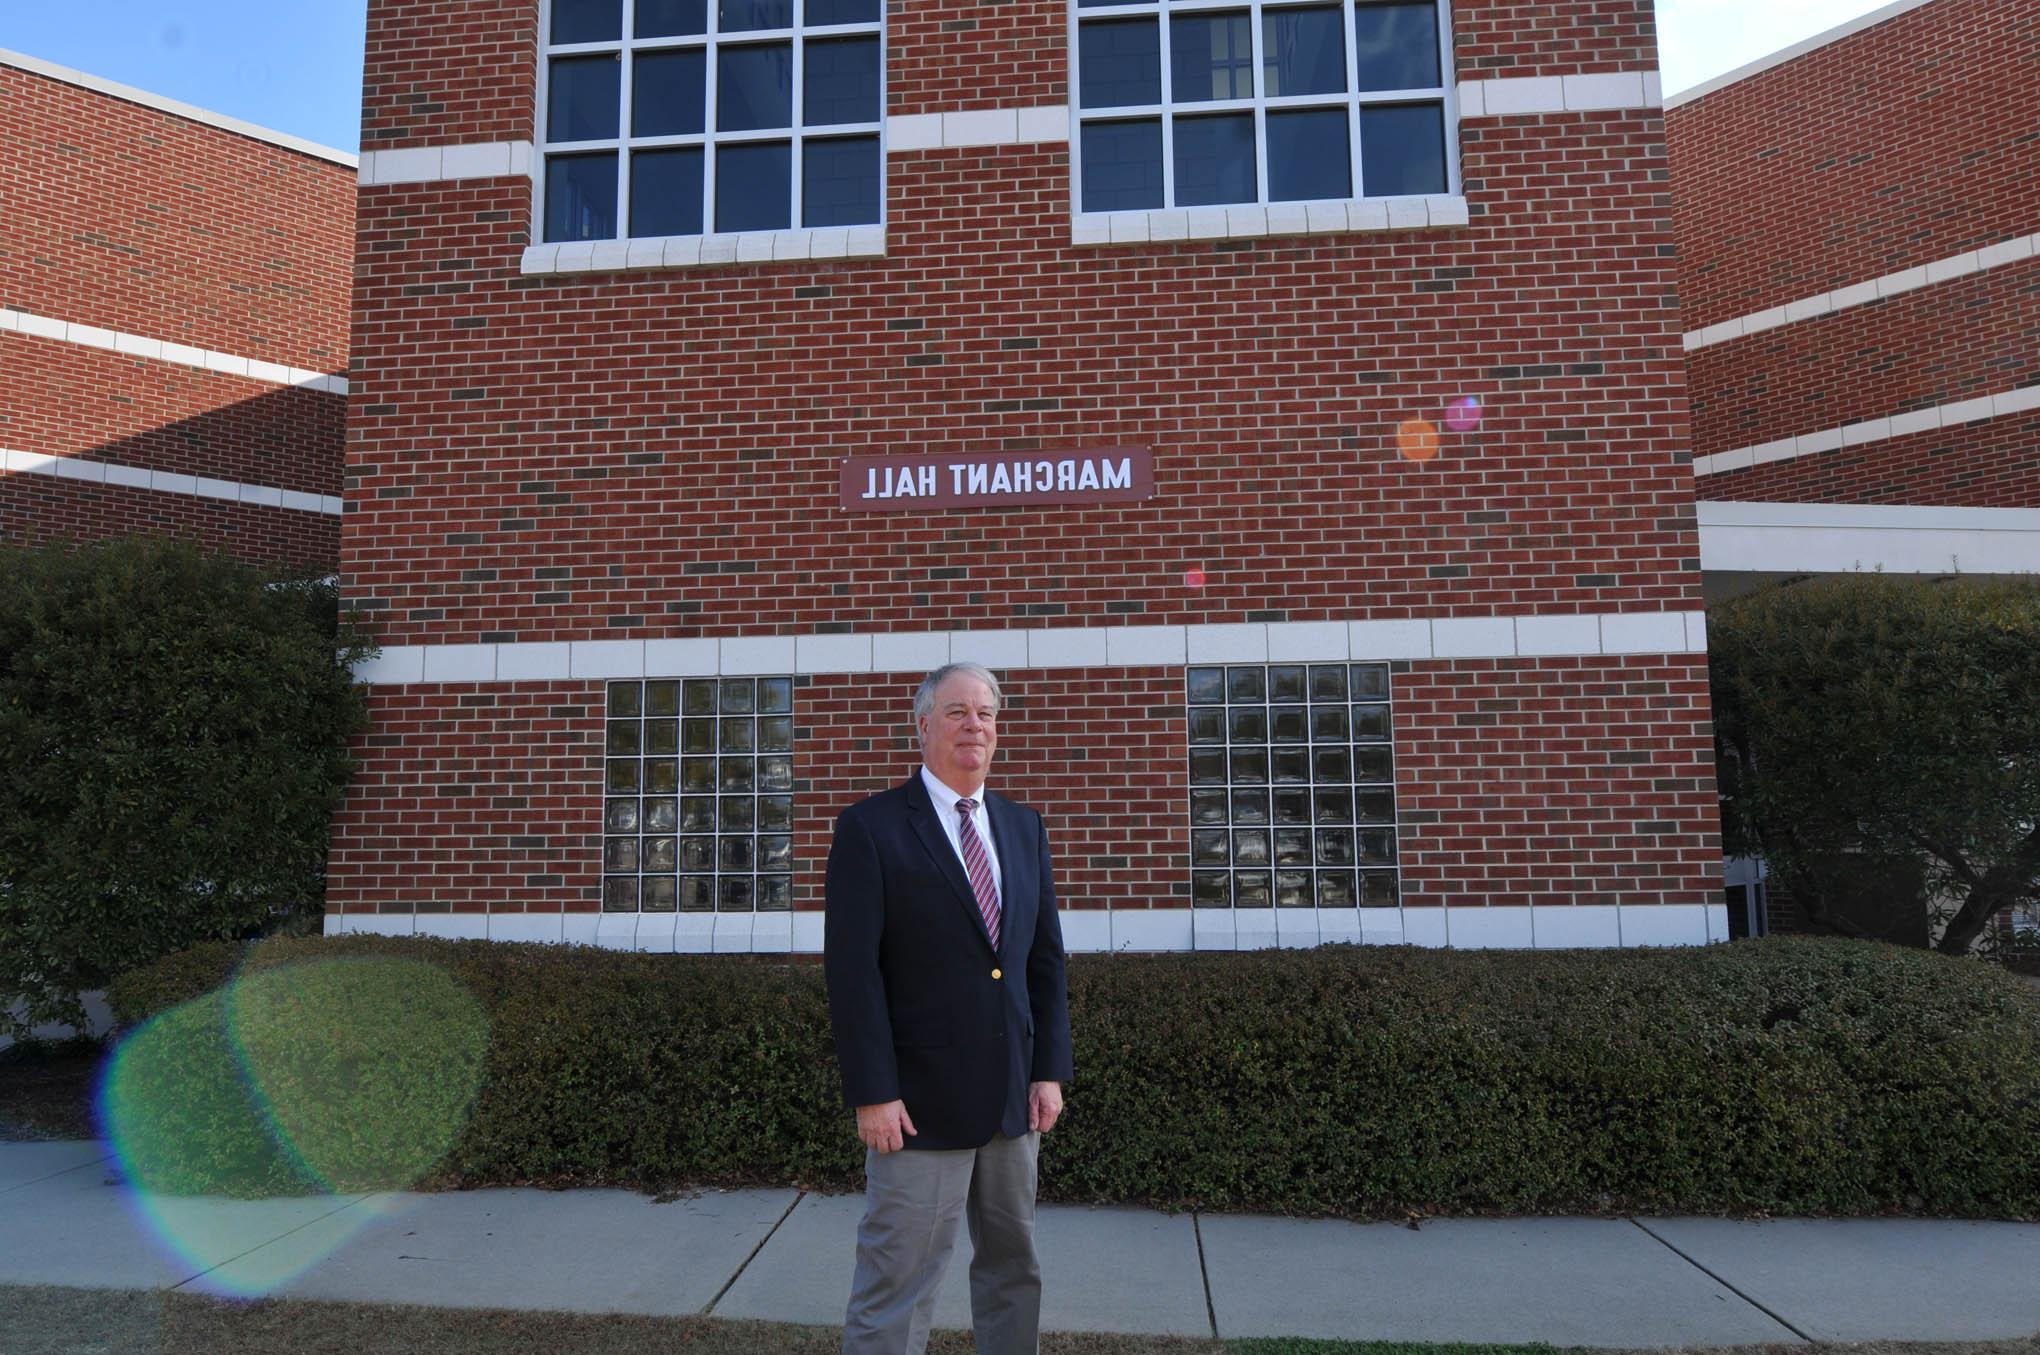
x: 945, y: 811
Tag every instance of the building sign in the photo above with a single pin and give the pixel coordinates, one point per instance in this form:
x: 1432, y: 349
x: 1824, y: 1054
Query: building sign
x: 897, y: 484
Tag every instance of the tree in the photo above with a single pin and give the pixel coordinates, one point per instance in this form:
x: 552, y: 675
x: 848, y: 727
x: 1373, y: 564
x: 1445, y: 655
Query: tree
x: 173, y: 741
x: 1889, y: 719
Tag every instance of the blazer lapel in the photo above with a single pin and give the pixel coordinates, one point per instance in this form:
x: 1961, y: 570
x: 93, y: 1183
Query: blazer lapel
x: 936, y: 841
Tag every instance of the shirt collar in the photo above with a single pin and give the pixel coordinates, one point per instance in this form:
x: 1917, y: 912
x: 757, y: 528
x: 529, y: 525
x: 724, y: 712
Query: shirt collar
x: 943, y: 797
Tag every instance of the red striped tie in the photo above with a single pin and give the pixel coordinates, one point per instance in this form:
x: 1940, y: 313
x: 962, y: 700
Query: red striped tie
x: 979, y: 867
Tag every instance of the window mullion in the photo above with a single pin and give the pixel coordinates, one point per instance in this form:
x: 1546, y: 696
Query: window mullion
x: 624, y: 126
x: 798, y: 118
x: 1449, y: 83
x: 712, y: 147
x: 1347, y: 16
x: 1168, y: 74
x: 1255, y: 39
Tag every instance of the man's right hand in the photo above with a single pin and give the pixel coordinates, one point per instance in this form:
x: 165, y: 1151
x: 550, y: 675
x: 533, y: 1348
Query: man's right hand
x: 880, y: 1127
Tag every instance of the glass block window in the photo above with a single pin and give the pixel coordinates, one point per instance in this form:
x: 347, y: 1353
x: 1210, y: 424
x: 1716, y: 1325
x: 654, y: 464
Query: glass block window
x: 692, y: 117
x: 1185, y: 103
x: 1292, y: 786
x: 697, y: 810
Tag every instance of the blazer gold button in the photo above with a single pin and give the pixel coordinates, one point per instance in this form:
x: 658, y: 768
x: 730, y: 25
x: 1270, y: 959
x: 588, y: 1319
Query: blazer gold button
x: 996, y: 974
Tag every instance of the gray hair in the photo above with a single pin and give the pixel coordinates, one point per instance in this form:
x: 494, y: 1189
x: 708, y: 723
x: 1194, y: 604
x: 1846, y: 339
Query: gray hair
x: 924, y: 695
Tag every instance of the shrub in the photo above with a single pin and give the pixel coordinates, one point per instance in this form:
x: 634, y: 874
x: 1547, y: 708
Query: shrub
x: 1890, y: 722
x: 173, y: 732
x: 1786, y: 1076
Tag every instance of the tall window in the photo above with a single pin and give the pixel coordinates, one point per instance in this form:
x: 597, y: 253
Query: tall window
x: 1185, y: 103
x: 690, y: 117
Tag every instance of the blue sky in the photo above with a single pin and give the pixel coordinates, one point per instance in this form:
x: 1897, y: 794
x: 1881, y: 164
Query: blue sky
x: 295, y: 65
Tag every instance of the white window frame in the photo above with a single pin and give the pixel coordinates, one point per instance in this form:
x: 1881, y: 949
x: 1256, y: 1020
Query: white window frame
x: 710, y: 246
x: 1261, y: 217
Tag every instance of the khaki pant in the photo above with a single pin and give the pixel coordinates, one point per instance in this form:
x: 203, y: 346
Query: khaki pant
x: 912, y: 1201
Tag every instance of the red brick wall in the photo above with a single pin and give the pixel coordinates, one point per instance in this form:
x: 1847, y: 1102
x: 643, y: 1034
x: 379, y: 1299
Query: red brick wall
x: 63, y: 399
x: 38, y: 510
x: 673, y: 436
x: 1903, y: 143
x: 654, y: 453
x: 157, y: 225
x: 1521, y: 781
x: 1990, y: 464
x: 1555, y: 781
x: 1954, y: 341
x: 151, y: 224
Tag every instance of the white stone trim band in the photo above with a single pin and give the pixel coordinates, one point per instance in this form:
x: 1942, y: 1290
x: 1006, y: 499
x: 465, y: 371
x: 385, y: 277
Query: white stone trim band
x: 1163, y: 224
x: 1831, y: 538
x: 1983, y: 407
x: 977, y: 127
x: 1610, y: 92
x: 1461, y: 637
x: 1891, y: 284
x: 445, y: 164
x: 129, y: 94
x: 702, y: 251
x: 1797, y: 49
x: 1097, y: 930
x: 163, y: 482
x: 162, y: 350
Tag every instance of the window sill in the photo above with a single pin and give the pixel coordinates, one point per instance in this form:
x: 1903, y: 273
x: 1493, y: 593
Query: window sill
x: 707, y: 251
x: 1239, y: 223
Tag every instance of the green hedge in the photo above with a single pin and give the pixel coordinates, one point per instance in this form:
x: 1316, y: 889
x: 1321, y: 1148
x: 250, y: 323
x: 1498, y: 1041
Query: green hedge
x: 1786, y: 1076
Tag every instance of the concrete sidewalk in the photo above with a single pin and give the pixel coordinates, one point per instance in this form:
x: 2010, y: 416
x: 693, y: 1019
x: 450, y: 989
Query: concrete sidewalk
x: 66, y: 1218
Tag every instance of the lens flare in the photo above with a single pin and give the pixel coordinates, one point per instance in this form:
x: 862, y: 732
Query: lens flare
x: 1416, y: 439
x: 304, y: 1081
x: 1463, y: 415
x: 1193, y: 577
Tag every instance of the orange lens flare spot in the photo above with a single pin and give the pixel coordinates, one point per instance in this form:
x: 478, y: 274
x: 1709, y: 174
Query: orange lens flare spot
x: 1416, y: 439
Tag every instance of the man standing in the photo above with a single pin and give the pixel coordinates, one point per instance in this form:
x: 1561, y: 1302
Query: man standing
x: 945, y: 969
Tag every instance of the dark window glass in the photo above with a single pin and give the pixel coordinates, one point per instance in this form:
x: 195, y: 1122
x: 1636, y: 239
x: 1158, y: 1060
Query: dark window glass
x: 1335, y: 889
x: 1206, y: 685
x: 1288, y: 725
x: 1122, y: 165
x: 1303, y: 51
x: 754, y: 88
x: 1119, y: 63
x: 1248, y: 724
x: 587, y: 20
x: 658, y: 896
x: 665, y: 199
x: 743, y: 16
x: 1215, y: 159
x: 1211, y: 56
x: 739, y: 696
x: 736, y: 814
x: 620, y: 894
x: 580, y: 197
x: 662, y: 736
x: 839, y: 182
x: 1396, y: 46
x: 667, y: 94
x: 622, y: 816
x: 1402, y: 149
x: 697, y: 696
x: 1246, y: 684
x: 840, y: 82
x: 581, y: 98
x: 1206, y: 806
x: 775, y: 695
x: 1309, y: 156
x: 754, y: 187
x: 671, y: 18
x: 1210, y: 889
x: 697, y: 893
x: 823, y: 12
x: 623, y: 699
x: 1207, y: 725
x: 1251, y: 889
x: 1292, y: 889
x: 1377, y: 889
x: 662, y: 698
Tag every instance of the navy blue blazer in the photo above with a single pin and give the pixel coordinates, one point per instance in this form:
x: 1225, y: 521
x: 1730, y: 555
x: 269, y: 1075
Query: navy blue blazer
x: 923, y: 1010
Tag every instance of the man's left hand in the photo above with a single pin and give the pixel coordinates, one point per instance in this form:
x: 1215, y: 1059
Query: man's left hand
x: 1044, y: 1105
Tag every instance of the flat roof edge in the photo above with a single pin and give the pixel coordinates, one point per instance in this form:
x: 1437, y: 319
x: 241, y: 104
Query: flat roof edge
x: 37, y: 66
x: 1796, y: 50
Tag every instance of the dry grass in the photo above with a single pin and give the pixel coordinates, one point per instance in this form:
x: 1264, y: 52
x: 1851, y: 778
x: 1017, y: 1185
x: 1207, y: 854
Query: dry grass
x: 51, y: 1321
